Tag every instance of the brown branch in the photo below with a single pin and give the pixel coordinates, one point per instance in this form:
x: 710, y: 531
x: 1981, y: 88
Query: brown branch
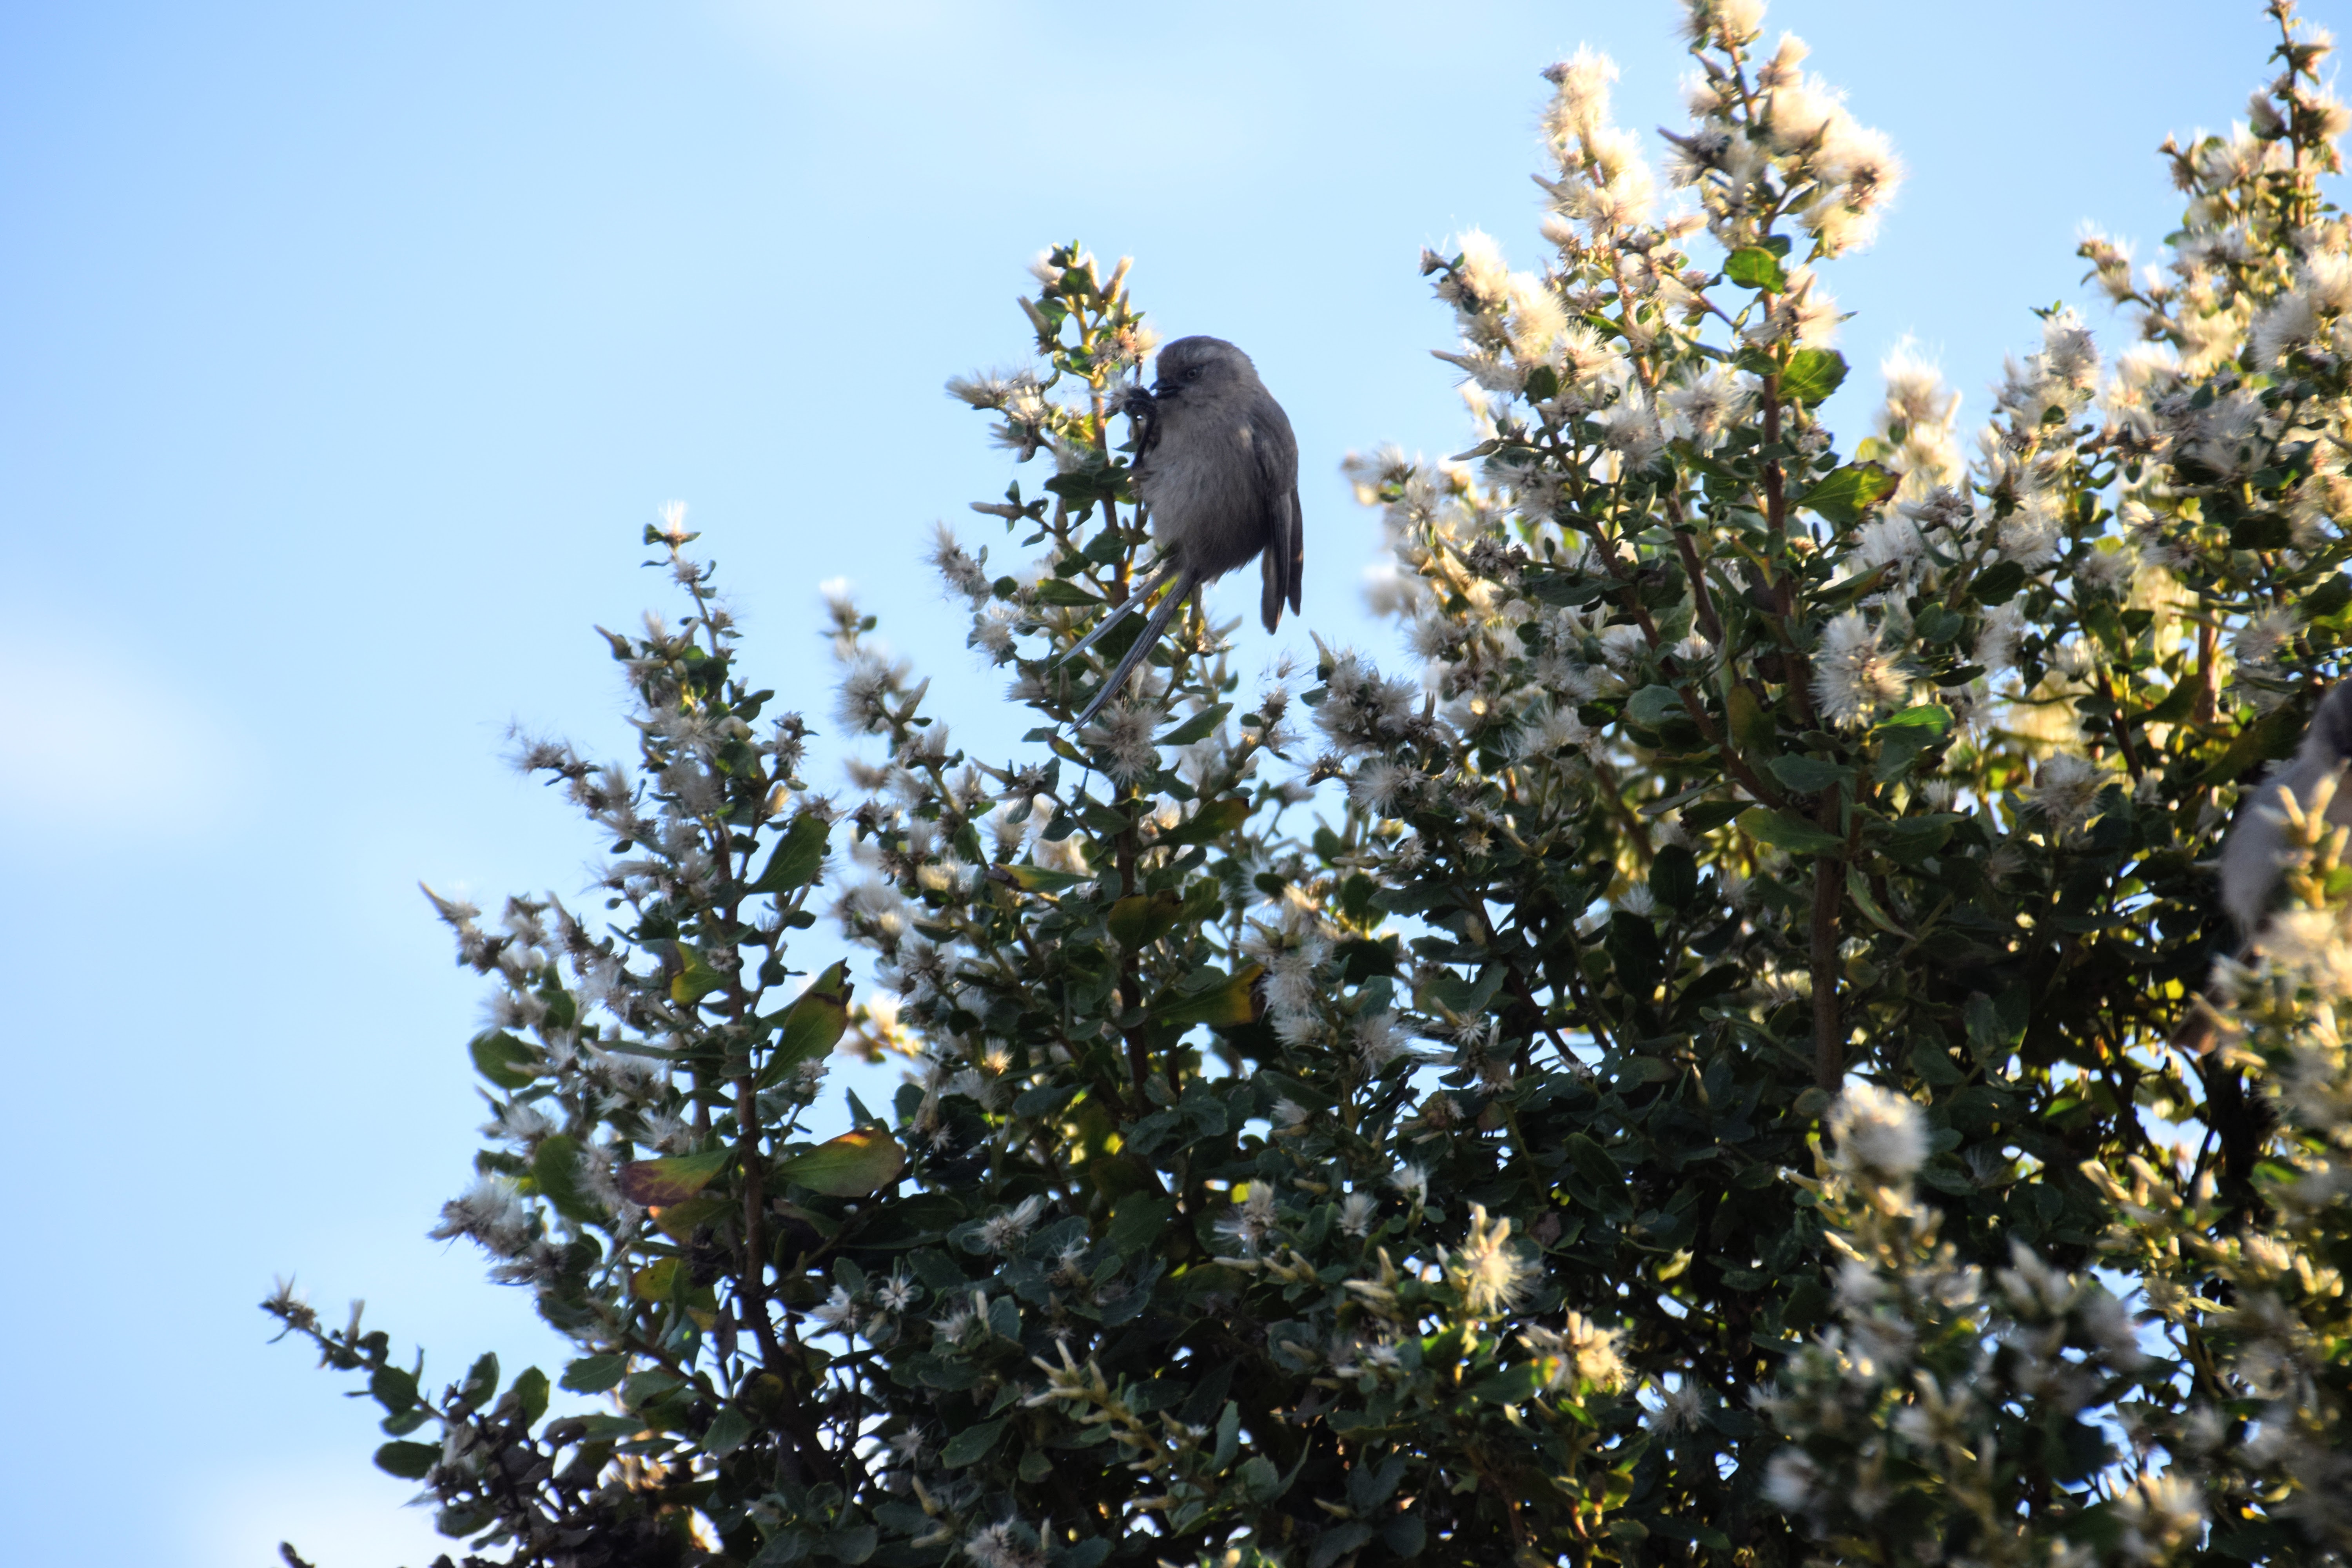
x: 1829, y: 1041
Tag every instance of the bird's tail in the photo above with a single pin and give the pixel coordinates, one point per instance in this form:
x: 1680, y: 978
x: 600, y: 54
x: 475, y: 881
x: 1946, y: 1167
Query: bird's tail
x: 1178, y: 592
x: 1121, y: 611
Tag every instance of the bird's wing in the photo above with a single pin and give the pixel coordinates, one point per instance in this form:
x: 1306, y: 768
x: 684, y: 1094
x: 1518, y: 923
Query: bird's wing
x: 1273, y: 570
x: 1297, y: 549
x: 1275, y: 450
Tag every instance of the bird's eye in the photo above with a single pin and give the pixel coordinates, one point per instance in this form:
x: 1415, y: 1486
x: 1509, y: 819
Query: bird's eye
x: 1193, y: 374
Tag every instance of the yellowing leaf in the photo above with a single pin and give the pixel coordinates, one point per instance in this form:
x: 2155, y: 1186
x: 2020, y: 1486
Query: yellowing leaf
x: 653, y: 1183
x: 655, y: 1281
x: 860, y: 1162
x: 695, y: 978
x: 1227, y: 1006
x: 1213, y: 820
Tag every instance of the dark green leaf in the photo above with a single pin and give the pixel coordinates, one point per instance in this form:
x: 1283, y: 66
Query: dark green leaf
x: 1337, y: 1541
x: 1139, y: 1223
x: 971, y: 1445
x: 556, y: 1170
x: 1998, y: 582
x: 529, y: 1395
x: 728, y: 1432
x: 409, y: 1461
x: 797, y: 858
x: 1592, y: 1162
x: 1405, y: 1535
x: 504, y: 1060
x: 1809, y: 776
x: 1062, y: 591
x: 1199, y: 726
x: 1650, y: 706
x: 1794, y: 834
x: 596, y: 1373
x: 1673, y: 876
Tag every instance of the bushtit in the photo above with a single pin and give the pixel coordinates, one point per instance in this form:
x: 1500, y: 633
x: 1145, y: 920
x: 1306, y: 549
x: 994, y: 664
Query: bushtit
x: 2250, y: 856
x: 1217, y: 472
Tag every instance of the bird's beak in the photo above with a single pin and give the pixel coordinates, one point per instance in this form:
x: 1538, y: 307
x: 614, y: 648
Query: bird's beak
x: 1163, y: 390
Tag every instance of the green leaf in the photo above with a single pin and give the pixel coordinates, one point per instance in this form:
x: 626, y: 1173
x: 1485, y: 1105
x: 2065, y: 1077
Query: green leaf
x: 481, y: 1382
x: 1933, y: 1064
x: 1261, y: 1482
x: 1652, y: 705
x: 1213, y: 820
x: 1752, y: 727
x: 1903, y: 736
x: 556, y: 1169
x: 1405, y: 1535
x: 1139, y: 1222
x: 728, y: 1432
x: 1337, y: 1542
x: 1849, y: 493
x: 1142, y: 917
x: 972, y: 1444
x: 811, y: 1026
x: 1809, y: 776
x: 1794, y: 834
x: 504, y: 1060
x: 409, y: 1461
x: 529, y: 1395
x: 1228, y: 1006
x: 1857, y: 888
x: 658, y: 1183
x: 1673, y: 876
x: 1752, y: 267
x: 799, y: 855
x: 392, y: 1388
x: 2267, y: 739
x: 860, y: 1162
x: 1811, y: 376
x: 596, y: 1373
x: 1593, y: 1164
x: 1038, y: 880
x: 1998, y: 582
x: 1062, y: 591
x: 1512, y: 1385
x: 1197, y: 728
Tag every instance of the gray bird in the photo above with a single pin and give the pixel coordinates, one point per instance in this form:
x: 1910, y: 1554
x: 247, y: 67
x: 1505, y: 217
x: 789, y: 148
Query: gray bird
x: 2250, y: 856
x: 1217, y: 472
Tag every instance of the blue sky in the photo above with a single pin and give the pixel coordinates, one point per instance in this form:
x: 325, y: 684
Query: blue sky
x: 345, y: 350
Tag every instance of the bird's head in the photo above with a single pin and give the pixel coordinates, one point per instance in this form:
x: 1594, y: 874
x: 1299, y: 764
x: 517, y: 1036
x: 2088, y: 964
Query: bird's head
x: 1198, y: 369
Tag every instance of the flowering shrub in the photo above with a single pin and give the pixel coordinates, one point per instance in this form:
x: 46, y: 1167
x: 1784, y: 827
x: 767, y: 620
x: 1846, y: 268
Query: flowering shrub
x: 1402, y: 1169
